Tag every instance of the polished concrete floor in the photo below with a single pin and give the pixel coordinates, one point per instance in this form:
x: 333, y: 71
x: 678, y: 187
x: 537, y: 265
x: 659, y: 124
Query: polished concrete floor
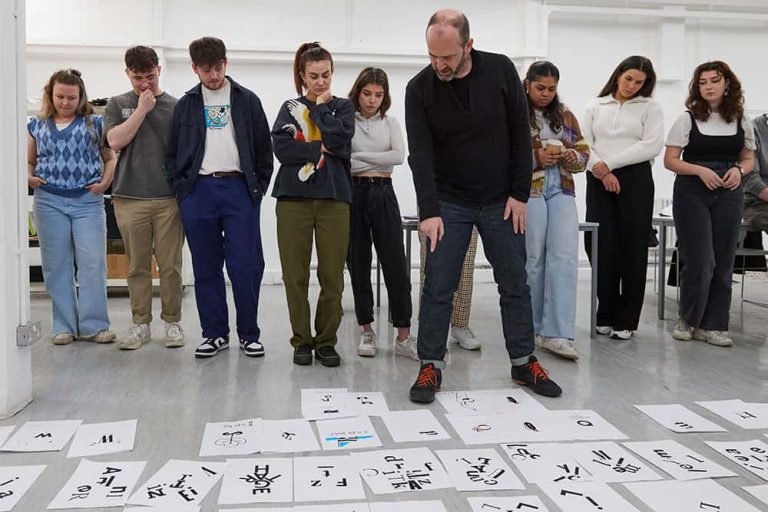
x: 173, y: 395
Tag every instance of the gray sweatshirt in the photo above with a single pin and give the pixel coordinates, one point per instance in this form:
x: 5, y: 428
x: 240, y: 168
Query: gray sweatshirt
x: 757, y: 180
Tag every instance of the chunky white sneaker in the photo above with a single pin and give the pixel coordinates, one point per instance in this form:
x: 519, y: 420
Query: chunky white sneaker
x: 367, y: 347
x: 174, y: 335
x: 605, y: 330
x: 103, y: 336
x: 64, y: 338
x: 538, y: 340
x: 465, y: 337
x: 717, y: 338
x: 682, y: 331
x: 563, y: 347
x: 407, y: 347
x: 138, y: 335
x: 623, y: 334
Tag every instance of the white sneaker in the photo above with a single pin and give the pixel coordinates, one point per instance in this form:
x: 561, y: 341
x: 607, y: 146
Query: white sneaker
x: 465, y: 337
x: 65, y: 338
x: 174, y: 335
x: 717, y: 338
x: 623, y: 334
x: 605, y: 330
x: 563, y: 347
x: 138, y: 335
x: 103, y: 336
x: 367, y: 347
x: 682, y: 331
x: 407, y: 347
x: 538, y: 340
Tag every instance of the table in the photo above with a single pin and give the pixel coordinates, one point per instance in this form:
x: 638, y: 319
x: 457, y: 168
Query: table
x: 411, y: 224
x: 663, y: 224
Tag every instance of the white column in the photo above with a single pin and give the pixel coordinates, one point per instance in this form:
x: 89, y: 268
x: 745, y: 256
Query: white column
x: 15, y: 361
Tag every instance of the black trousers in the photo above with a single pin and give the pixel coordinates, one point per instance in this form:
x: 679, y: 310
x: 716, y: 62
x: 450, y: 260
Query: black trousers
x: 622, y: 247
x: 375, y: 219
x: 707, y: 224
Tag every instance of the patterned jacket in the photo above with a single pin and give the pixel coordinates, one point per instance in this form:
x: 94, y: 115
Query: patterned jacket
x: 572, y: 140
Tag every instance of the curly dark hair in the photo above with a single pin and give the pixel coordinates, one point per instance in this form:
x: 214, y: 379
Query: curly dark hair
x: 731, y: 108
x: 553, y: 112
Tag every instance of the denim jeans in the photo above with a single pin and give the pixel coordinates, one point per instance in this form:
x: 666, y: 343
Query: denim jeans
x: 73, y: 245
x: 552, y: 243
x: 707, y: 225
x: 505, y: 251
x: 223, y: 226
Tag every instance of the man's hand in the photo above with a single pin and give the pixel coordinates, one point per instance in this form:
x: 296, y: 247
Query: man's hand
x: 35, y: 181
x: 611, y: 183
x: 517, y: 209
x: 146, y: 102
x: 98, y: 188
x: 433, y: 229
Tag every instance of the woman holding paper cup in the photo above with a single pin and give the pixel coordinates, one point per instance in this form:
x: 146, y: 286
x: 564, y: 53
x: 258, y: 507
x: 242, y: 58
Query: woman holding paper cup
x: 624, y: 127
x: 710, y: 147
x: 552, y: 228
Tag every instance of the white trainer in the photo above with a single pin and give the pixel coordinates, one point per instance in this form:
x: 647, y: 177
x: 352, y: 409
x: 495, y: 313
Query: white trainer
x: 716, y: 338
x: 623, y: 334
x: 465, y: 337
x: 605, y: 330
x: 138, y: 335
x: 103, y: 336
x: 367, y: 346
x: 407, y: 347
x: 563, y: 347
x: 682, y: 331
x: 174, y: 335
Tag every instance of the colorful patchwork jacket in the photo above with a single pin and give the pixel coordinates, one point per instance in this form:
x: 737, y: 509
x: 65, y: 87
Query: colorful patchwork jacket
x: 572, y: 140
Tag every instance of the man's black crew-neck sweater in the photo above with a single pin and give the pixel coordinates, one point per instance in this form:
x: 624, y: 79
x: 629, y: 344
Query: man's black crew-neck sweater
x: 471, y: 155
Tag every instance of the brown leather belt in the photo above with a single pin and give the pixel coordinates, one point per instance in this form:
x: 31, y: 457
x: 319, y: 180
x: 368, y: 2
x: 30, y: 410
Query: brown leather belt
x: 226, y: 174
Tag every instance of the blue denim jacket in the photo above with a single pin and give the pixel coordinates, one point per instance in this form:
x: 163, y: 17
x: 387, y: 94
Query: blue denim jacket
x: 186, y: 142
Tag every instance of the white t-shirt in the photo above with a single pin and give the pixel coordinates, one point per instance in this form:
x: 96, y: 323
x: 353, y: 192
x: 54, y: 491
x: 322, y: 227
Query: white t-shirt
x: 220, y: 147
x: 714, y: 126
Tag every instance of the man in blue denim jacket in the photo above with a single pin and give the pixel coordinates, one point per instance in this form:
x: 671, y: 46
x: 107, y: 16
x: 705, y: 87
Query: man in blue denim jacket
x: 219, y: 162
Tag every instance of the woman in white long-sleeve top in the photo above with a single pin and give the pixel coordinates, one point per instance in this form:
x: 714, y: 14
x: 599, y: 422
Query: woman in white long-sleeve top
x: 375, y: 217
x: 624, y: 128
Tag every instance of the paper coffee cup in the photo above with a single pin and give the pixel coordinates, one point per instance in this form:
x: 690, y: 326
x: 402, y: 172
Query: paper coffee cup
x: 553, y: 147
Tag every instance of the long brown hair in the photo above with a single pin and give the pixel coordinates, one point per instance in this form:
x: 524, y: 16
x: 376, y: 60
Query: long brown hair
x: 639, y: 63
x: 731, y: 108
x: 65, y: 77
x: 308, y: 52
x: 368, y: 76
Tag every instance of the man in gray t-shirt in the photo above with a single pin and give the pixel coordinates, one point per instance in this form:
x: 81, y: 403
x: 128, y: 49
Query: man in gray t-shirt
x: 136, y: 125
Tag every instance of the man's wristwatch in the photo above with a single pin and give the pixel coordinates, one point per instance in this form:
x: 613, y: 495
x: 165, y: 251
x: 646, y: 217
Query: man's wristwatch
x: 740, y: 168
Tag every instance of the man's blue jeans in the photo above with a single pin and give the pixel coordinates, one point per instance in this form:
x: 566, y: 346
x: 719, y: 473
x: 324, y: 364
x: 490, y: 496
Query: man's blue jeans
x: 505, y: 251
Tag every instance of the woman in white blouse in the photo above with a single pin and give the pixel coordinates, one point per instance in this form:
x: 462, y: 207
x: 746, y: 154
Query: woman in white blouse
x: 624, y: 128
x: 375, y: 217
x: 710, y: 148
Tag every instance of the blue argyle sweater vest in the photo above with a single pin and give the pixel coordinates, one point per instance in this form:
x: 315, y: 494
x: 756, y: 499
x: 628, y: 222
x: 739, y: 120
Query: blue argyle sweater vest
x: 67, y: 159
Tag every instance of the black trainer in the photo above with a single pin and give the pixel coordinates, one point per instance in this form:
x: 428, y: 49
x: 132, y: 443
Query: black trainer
x: 427, y: 384
x: 212, y: 346
x: 327, y: 356
x: 302, y: 355
x: 533, y: 375
x: 252, y: 348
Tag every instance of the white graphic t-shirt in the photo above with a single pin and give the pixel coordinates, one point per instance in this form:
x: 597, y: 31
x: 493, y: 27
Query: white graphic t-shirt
x: 220, y: 147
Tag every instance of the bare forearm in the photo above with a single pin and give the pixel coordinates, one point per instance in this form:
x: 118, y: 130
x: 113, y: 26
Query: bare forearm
x: 122, y: 134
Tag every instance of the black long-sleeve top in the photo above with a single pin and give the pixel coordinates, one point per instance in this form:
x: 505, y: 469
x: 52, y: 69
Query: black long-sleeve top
x: 471, y: 153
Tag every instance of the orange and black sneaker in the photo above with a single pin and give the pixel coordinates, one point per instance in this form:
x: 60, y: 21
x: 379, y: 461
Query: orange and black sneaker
x: 427, y: 384
x: 533, y: 375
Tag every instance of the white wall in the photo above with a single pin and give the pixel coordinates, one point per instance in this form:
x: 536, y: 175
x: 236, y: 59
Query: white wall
x: 261, y: 35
